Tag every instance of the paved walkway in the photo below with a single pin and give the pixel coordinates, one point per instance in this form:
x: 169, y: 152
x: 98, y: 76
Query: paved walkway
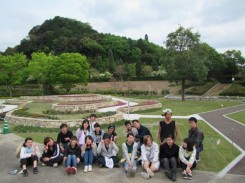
x: 234, y: 131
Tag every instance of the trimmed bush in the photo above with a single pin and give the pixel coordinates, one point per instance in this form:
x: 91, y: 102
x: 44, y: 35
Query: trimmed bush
x: 236, y: 89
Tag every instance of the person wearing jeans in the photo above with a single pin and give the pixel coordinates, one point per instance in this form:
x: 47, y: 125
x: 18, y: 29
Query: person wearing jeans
x: 89, y: 153
x: 169, y: 153
x: 72, y: 155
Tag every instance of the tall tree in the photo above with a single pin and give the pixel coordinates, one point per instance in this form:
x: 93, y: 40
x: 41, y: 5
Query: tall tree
x: 146, y: 38
x: 138, y: 68
x: 71, y: 69
x: 11, y: 70
x: 112, y: 64
x: 184, y: 60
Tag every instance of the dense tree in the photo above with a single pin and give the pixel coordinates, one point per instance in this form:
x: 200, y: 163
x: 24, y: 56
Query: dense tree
x: 138, y: 68
x: 112, y: 64
x: 146, y: 38
x: 184, y: 60
x: 11, y: 70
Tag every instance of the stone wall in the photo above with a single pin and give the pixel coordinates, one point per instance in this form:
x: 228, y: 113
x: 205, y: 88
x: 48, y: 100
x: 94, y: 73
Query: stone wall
x: 66, y: 98
x: 82, y: 107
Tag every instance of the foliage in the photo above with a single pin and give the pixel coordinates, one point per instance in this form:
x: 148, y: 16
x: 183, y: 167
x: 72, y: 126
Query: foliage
x: 236, y: 89
x: 24, y: 113
x: 185, y: 60
x: 12, y: 69
x: 200, y: 89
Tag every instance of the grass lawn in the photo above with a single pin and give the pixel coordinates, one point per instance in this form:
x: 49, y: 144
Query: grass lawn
x: 190, y: 107
x: 214, y: 157
x: 239, y: 116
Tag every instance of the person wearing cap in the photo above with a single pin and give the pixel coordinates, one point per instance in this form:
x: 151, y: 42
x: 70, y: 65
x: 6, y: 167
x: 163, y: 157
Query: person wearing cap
x: 130, y: 129
x: 92, y: 121
x: 112, y: 133
x: 97, y: 134
x: 106, y: 152
x: 196, y: 136
x: 168, y: 127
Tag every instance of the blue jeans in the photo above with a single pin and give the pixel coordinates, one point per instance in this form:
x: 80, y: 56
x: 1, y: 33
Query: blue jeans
x: 198, y: 150
x: 88, y: 157
x: 71, y: 160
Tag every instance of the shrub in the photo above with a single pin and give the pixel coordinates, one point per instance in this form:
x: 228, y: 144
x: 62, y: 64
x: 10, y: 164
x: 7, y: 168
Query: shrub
x: 24, y: 113
x: 236, y: 89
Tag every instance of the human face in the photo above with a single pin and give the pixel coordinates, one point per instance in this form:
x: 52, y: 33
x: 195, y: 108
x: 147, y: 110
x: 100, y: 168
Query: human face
x: 106, y: 141
x: 168, y: 115
x: 92, y: 118
x: 192, y: 124
x: 149, y: 142
x: 73, y: 142
x: 97, y: 129
x: 130, y: 139
x: 136, y: 124
x: 88, y: 141
x: 64, y: 130
x: 110, y: 130
x: 169, y: 141
x: 29, y: 143
x: 50, y: 143
x: 85, y: 125
x: 184, y: 145
x: 128, y: 126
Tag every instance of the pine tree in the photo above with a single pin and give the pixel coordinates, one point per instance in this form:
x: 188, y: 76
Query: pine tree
x: 112, y: 64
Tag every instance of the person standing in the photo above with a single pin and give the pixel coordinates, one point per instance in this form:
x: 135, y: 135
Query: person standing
x: 196, y: 136
x: 64, y: 136
x: 168, y: 127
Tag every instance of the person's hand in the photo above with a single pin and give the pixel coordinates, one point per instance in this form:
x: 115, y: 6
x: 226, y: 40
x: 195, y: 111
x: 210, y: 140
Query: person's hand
x: 46, y: 159
x: 92, y: 145
x: 111, y: 142
x: 67, y: 139
x: 65, y: 158
x: 188, y: 170
x: 189, y: 164
x: 102, y: 141
x: 62, y: 148
x: 153, y: 164
x: 45, y: 148
x: 84, y: 146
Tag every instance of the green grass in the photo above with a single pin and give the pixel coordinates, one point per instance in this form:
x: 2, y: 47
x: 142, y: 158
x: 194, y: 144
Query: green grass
x: 200, y: 90
x: 236, y: 89
x: 192, y: 107
x: 214, y: 157
x: 239, y: 116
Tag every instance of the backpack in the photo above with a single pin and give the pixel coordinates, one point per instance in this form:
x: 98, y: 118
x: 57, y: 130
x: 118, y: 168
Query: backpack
x: 17, y: 152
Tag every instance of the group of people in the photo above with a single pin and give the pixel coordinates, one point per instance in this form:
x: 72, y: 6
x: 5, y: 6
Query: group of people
x: 91, y: 144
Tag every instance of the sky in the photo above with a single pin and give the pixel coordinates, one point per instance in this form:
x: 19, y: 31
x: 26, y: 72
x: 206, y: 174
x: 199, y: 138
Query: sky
x: 221, y: 23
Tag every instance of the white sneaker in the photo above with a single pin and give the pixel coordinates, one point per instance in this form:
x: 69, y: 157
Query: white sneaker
x: 150, y: 172
x: 145, y: 175
x: 55, y: 165
x: 43, y: 164
x: 90, y: 169
x: 85, y: 169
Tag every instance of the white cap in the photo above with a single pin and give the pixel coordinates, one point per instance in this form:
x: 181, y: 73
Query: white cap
x: 167, y: 110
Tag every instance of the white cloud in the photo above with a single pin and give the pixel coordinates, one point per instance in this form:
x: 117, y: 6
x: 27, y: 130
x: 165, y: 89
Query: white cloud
x: 220, y: 22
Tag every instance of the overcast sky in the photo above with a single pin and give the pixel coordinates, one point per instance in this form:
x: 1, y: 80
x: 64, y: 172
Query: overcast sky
x: 221, y: 23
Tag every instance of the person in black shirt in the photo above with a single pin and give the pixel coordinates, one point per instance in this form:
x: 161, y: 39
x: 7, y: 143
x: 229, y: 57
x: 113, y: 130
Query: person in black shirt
x: 168, y: 127
x: 72, y: 156
x: 168, y: 155
x: 112, y: 133
x: 196, y: 136
x: 64, y: 137
x: 142, y: 131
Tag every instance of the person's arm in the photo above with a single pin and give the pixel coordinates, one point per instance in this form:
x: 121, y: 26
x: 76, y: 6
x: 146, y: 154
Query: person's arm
x: 78, y: 134
x: 134, y: 152
x: 58, y: 138
x: 156, y: 153
x: 143, y: 153
x: 193, y: 156
x: 99, y: 148
x: 176, y: 131
x: 94, y: 149
x: 198, y: 139
x: 125, y: 152
x: 114, y: 146
x: 57, y: 152
x: 181, y: 156
x: 162, y: 152
x: 23, y: 154
x: 159, y: 133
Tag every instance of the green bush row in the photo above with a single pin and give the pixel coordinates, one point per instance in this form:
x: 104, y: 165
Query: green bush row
x: 24, y: 113
x: 236, y: 89
x: 200, y: 89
